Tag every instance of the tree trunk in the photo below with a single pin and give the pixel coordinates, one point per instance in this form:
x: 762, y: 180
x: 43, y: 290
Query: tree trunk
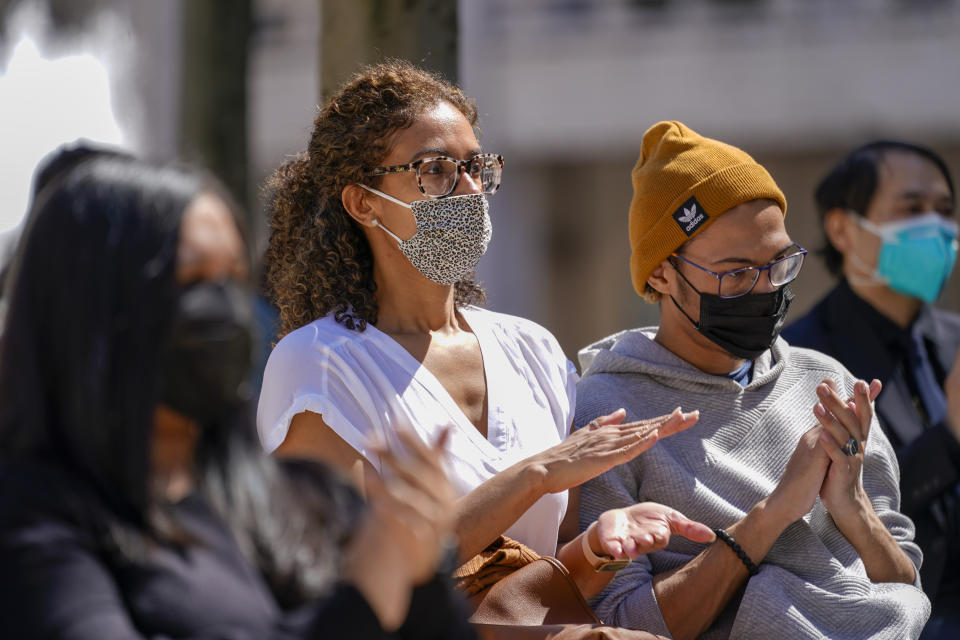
x: 356, y: 32
x: 216, y: 40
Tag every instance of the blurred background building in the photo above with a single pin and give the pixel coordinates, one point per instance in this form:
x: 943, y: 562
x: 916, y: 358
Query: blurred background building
x: 566, y: 89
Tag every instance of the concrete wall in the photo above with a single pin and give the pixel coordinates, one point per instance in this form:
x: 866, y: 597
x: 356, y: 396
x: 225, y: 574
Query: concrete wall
x: 566, y: 90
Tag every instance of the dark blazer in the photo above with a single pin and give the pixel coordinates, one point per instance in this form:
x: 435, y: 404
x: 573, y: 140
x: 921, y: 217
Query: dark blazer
x: 848, y: 328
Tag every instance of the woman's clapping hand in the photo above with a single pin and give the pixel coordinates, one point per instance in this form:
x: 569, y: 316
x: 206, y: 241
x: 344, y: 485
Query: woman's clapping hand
x: 602, y: 444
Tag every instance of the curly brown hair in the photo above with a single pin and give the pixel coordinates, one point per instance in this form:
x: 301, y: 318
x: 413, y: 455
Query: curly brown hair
x: 318, y: 259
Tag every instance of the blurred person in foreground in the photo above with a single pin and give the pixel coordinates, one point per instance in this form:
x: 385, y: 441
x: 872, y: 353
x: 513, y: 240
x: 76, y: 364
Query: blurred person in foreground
x: 887, y: 211
x: 136, y: 502
x: 376, y: 231
x: 786, y: 461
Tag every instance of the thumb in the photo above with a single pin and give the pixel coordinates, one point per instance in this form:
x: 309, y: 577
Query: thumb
x: 440, y: 444
x: 612, y: 418
x: 375, y: 489
x: 690, y: 529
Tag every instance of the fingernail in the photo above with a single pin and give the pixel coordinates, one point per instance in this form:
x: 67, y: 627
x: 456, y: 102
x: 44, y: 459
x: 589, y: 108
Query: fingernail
x: 819, y: 410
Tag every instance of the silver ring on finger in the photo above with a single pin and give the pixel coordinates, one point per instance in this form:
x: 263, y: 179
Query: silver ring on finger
x: 851, y: 447
x: 593, y: 424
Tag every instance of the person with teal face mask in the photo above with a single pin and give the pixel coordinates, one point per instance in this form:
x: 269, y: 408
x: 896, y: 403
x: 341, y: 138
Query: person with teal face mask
x: 916, y: 256
x: 888, y: 213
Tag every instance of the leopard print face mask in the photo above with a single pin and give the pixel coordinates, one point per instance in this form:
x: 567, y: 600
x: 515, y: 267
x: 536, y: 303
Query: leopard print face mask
x: 452, y: 235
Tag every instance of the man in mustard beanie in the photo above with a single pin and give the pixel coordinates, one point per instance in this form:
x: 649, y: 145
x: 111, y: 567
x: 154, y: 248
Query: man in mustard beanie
x: 786, y: 462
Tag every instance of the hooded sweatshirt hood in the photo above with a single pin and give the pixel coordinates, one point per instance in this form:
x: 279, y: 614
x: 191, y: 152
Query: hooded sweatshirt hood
x: 636, y: 351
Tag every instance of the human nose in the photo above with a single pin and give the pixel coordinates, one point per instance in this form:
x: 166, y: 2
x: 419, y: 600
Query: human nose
x: 764, y: 285
x: 466, y: 185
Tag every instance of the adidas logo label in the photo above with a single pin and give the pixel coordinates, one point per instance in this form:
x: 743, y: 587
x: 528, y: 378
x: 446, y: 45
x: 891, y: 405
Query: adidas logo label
x: 690, y: 216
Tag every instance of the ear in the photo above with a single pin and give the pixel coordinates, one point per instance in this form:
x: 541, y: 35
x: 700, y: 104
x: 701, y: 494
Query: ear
x: 658, y: 278
x: 837, y: 226
x: 359, y: 204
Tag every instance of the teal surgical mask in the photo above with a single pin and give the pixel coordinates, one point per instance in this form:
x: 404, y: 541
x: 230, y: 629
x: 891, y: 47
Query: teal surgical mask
x: 917, y: 254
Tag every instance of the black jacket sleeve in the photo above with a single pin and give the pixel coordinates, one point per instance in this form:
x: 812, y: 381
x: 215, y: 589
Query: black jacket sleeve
x: 52, y: 586
x: 436, y: 612
x: 928, y: 467
x: 55, y: 584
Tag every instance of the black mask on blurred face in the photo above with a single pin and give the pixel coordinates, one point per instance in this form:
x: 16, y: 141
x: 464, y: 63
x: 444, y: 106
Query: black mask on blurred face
x: 745, y: 326
x: 208, y: 358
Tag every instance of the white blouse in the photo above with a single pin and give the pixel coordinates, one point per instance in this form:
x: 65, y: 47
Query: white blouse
x: 365, y: 385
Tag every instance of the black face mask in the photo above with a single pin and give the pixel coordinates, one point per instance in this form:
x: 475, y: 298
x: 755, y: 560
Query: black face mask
x: 745, y: 326
x: 206, y: 365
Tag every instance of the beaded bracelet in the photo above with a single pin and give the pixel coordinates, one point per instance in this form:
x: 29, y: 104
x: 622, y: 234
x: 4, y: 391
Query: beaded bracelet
x: 744, y: 558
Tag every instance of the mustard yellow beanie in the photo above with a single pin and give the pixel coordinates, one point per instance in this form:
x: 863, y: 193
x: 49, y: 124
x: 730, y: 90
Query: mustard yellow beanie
x: 681, y: 183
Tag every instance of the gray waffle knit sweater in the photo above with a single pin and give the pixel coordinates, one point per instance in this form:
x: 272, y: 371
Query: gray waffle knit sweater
x: 812, y: 584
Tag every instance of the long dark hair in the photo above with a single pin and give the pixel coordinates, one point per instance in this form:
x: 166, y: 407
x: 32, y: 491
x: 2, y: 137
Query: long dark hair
x: 92, y: 296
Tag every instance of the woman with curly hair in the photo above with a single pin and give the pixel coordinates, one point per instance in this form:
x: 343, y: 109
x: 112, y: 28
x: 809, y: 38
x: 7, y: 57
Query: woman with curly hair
x: 376, y: 230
